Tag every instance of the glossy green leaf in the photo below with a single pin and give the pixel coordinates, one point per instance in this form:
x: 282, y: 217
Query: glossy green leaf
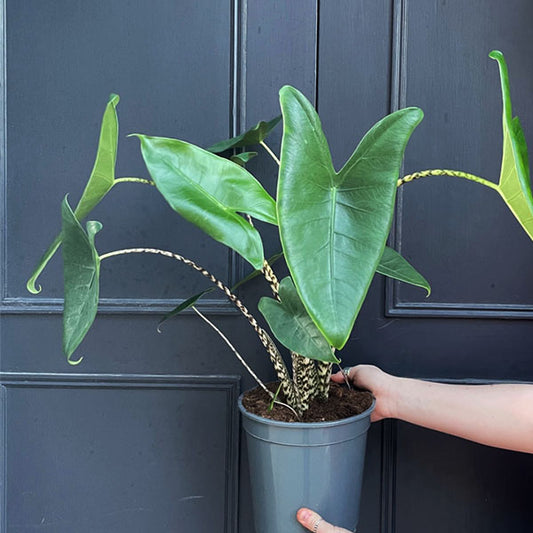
x: 333, y: 225
x: 393, y: 265
x: 514, y: 185
x: 100, y: 182
x: 210, y: 192
x: 250, y: 137
x: 243, y: 158
x: 81, y: 272
x: 293, y: 327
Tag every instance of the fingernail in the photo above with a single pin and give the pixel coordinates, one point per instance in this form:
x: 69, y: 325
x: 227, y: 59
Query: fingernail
x: 304, y: 514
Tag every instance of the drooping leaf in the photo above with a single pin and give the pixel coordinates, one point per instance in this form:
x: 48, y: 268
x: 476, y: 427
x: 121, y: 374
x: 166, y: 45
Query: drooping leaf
x: 514, y: 185
x: 393, y: 265
x: 243, y: 158
x: 81, y: 273
x: 210, y: 192
x: 250, y: 137
x: 100, y: 182
x: 333, y: 225
x: 189, y: 302
x: 293, y: 327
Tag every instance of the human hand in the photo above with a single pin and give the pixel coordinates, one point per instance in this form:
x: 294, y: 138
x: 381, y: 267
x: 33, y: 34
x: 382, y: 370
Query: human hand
x: 379, y: 383
x: 315, y: 523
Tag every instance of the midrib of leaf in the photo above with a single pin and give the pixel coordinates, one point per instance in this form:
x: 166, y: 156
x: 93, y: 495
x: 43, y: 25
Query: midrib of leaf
x: 333, y: 297
x: 199, y: 188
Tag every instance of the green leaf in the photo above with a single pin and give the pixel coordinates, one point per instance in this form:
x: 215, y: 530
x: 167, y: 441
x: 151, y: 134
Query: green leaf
x: 243, y: 158
x: 210, y: 192
x: 514, y: 185
x: 393, y: 265
x: 293, y: 327
x: 189, y: 302
x: 252, y: 136
x: 333, y: 225
x: 100, y: 182
x: 81, y: 272
x: 254, y: 274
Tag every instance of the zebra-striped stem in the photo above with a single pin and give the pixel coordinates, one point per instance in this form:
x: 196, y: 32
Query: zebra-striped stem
x: 265, y: 339
x: 444, y: 172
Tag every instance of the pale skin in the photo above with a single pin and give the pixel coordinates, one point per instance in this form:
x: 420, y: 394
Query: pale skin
x: 495, y: 415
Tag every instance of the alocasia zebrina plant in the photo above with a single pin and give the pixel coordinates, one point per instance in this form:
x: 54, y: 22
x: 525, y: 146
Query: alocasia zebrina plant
x: 333, y: 226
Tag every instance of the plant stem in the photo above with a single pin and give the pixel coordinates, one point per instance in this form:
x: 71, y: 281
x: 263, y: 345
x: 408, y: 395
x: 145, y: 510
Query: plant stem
x: 443, y: 172
x: 268, y: 343
x: 244, y: 363
x: 270, y: 152
x: 134, y: 180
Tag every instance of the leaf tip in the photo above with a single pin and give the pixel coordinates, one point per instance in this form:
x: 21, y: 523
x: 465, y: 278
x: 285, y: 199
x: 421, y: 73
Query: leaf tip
x: 496, y: 55
x: 114, y: 99
x: 74, y: 363
x: 30, y: 286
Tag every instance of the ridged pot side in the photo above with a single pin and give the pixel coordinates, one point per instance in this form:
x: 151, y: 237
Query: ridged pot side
x: 317, y: 465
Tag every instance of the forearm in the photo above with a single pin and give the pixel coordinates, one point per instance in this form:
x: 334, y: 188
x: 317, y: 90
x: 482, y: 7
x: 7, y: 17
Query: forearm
x: 496, y: 415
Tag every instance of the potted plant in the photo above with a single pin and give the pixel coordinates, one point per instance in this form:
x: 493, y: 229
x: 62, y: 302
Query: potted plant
x: 333, y: 229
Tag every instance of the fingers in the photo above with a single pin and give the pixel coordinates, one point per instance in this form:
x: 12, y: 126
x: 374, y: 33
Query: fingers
x: 315, y: 523
x: 337, y: 378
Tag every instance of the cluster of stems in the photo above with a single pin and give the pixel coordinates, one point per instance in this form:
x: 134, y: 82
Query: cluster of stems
x: 309, y: 378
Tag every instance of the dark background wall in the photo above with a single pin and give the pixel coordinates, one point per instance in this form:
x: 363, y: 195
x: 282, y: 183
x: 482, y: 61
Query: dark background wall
x: 143, y: 435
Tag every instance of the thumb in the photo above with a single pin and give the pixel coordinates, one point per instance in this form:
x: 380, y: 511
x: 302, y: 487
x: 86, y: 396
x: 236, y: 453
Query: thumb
x: 315, y: 523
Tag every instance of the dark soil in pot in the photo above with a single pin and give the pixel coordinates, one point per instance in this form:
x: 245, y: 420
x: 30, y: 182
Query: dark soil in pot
x: 342, y: 403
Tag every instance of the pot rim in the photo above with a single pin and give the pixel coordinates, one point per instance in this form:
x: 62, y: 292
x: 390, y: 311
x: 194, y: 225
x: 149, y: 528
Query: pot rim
x: 303, y: 425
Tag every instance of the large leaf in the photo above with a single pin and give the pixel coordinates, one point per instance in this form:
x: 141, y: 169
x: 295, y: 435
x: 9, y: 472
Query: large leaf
x: 100, y: 182
x: 514, y: 185
x: 250, y: 137
x: 334, y: 225
x: 292, y: 326
x: 81, y: 272
x: 393, y: 265
x: 210, y: 192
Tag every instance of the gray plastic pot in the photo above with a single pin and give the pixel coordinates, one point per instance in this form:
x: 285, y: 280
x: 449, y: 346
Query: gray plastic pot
x: 317, y: 465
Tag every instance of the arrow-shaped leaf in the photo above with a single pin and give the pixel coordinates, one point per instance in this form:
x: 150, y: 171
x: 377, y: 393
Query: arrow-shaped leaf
x: 293, y: 327
x: 514, y: 185
x: 81, y: 272
x: 100, y: 182
x: 393, y: 265
x: 333, y: 225
x: 210, y: 192
x: 250, y: 137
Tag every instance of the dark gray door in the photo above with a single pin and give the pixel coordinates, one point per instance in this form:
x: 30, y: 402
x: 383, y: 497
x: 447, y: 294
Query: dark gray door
x: 143, y: 434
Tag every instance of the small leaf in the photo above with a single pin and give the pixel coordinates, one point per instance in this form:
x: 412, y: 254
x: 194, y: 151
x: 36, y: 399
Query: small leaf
x: 243, y: 158
x: 271, y: 260
x: 189, y: 302
x: 100, y: 182
x: 293, y: 327
x: 252, y: 136
x: 393, y: 265
x: 514, y: 185
x: 81, y: 272
x: 210, y: 192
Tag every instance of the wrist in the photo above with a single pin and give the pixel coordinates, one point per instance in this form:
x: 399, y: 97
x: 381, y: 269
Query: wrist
x: 391, y: 394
